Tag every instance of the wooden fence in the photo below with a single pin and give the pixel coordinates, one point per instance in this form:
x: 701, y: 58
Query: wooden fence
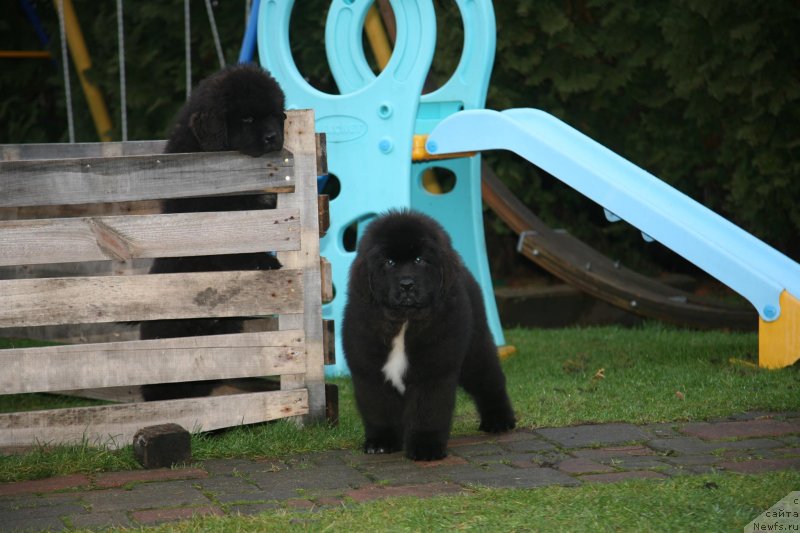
x: 97, y: 206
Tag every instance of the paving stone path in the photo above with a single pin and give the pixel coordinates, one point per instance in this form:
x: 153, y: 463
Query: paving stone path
x: 569, y: 456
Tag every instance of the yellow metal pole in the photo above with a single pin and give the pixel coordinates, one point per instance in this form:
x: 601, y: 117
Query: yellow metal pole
x: 377, y: 38
x: 80, y: 55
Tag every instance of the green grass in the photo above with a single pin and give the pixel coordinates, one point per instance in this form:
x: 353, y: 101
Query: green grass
x: 652, y: 374
x: 715, y: 502
x: 553, y: 381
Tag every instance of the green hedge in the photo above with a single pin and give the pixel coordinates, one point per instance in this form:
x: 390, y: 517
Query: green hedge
x: 704, y: 95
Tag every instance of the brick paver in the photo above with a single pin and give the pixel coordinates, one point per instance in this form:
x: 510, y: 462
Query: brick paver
x: 101, y: 520
x: 614, y: 452
x: 583, y: 466
x: 120, y: 479
x: 158, y: 516
x: 746, y: 428
x: 145, y: 496
x: 375, y: 492
x: 622, y: 476
x: 525, y: 459
x: 44, y: 485
x: 756, y: 466
x: 594, y: 435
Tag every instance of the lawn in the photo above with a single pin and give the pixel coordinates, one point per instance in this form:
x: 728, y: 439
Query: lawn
x: 649, y: 374
x: 556, y: 378
x: 717, y: 502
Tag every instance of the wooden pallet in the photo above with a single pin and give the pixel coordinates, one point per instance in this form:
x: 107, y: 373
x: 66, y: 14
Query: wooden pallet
x: 97, y: 204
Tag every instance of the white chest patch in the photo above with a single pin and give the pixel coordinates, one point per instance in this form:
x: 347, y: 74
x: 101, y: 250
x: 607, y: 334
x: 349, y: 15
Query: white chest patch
x: 397, y: 362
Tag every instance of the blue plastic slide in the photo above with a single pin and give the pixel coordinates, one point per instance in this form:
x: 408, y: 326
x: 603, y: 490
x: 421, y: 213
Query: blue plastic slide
x: 749, y: 266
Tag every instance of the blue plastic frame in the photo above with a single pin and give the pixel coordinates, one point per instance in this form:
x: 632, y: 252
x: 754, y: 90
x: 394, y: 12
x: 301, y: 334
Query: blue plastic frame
x: 460, y: 209
x: 370, y: 126
x: 369, y: 130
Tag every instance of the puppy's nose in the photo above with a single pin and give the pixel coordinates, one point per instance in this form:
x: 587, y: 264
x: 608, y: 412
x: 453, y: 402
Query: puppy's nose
x: 270, y: 138
x: 406, y: 284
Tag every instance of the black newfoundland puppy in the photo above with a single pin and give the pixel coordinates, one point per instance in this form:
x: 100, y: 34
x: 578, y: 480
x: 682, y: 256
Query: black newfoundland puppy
x: 414, y: 330
x: 239, y: 108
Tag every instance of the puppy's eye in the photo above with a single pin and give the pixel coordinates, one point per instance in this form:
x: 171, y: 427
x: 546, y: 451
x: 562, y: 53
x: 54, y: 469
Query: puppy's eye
x: 418, y: 260
x: 390, y: 262
x: 247, y: 120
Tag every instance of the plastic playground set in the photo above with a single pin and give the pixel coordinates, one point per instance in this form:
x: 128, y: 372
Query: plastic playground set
x: 374, y: 125
x: 384, y: 137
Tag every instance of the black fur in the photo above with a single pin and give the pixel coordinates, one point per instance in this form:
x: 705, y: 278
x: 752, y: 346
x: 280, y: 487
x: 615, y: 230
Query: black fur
x: 239, y: 108
x: 407, y: 272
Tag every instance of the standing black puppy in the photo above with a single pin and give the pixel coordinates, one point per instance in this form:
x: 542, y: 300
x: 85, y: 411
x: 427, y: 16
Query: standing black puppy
x: 414, y: 330
x: 239, y: 108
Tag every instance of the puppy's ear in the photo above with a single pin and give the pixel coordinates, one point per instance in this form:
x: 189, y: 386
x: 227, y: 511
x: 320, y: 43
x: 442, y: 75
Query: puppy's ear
x: 449, y: 266
x: 450, y: 263
x: 210, y: 129
x: 360, y: 278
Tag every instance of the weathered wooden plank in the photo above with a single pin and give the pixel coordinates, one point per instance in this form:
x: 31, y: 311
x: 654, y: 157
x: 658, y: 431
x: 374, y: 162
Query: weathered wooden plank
x: 301, y: 141
x: 16, y: 152
x: 322, y: 154
x: 329, y: 342
x: 292, y: 259
x: 128, y: 237
x: 143, y: 207
x: 114, y: 425
x: 326, y: 280
x: 124, y: 394
x: 60, y: 270
x: 324, y: 214
x: 134, y: 394
x: 76, y: 333
x: 142, y: 177
x: 38, y: 302
x: 114, y: 364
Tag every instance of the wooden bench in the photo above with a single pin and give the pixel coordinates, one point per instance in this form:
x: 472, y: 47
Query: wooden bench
x: 97, y: 205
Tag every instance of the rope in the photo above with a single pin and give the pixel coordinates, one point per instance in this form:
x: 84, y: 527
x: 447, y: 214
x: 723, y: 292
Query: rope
x: 187, y: 25
x: 214, y: 32
x: 122, y: 85
x: 65, y: 66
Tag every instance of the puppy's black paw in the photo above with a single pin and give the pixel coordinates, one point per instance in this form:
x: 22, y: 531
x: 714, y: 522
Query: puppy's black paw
x: 427, y: 454
x: 383, y: 440
x: 498, y: 424
x: 372, y: 447
x: 426, y: 447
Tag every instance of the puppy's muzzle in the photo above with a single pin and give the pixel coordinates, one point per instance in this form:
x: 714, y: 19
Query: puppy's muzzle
x: 272, y: 141
x: 406, y: 285
x: 406, y: 293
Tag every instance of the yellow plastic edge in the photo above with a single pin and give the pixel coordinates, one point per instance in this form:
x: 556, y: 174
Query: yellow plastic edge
x: 779, y: 340
x: 419, y: 153
x: 504, y: 352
